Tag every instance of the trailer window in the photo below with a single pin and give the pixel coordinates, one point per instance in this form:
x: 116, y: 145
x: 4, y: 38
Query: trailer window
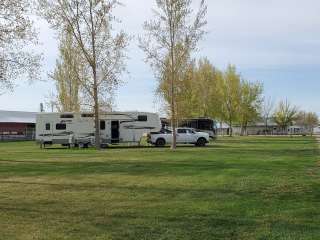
x: 102, y: 125
x: 61, y: 126
x: 142, y: 118
x: 48, y: 126
x: 66, y: 116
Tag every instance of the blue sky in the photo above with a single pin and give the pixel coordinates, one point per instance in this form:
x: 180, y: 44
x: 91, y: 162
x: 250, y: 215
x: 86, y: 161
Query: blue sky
x: 275, y: 42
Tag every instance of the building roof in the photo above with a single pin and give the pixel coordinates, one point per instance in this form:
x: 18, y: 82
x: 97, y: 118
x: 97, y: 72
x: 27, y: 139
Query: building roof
x: 17, y: 117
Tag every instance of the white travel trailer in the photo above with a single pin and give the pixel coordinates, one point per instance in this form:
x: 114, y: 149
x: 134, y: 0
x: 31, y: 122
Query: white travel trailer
x: 77, y: 129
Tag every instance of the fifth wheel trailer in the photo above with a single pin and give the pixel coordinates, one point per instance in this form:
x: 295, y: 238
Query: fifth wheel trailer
x: 77, y: 129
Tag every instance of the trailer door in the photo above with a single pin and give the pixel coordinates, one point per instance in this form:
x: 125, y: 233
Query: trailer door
x: 115, y: 133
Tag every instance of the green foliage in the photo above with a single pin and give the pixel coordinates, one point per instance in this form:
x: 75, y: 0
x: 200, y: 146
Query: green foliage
x: 231, y: 95
x: 285, y: 114
x: 204, y: 91
x: 309, y: 120
x: 67, y: 75
x: 207, y: 90
x: 196, y: 90
x: 250, y: 103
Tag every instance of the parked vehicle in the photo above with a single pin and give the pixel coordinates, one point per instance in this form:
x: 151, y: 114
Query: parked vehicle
x: 77, y: 129
x: 184, y: 136
x: 199, y: 124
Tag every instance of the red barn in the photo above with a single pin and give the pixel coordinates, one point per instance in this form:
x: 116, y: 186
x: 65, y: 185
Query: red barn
x: 17, y: 125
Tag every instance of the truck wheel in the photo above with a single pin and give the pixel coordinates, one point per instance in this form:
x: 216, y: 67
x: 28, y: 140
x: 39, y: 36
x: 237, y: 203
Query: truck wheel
x: 160, y: 142
x: 201, y: 142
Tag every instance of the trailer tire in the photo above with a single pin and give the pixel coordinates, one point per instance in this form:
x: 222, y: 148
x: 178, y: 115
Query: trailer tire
x: 160, y: 142
x: 201, y: 142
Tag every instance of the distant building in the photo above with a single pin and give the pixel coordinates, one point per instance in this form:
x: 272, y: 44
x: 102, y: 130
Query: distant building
x: 316, y: 130
x: 260, y: 128
x: 17, y: 125
x: 223, y: 129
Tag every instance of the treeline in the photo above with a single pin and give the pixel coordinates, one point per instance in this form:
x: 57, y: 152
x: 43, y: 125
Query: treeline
x: 203, y: 90
x: 286, y: 115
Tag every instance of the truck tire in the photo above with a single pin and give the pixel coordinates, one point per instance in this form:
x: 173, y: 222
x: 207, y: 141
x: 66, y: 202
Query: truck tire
x: 160, y: 142
x: 201, y: 142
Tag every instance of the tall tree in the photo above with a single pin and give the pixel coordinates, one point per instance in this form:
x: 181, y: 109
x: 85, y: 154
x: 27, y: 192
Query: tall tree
x: 68, y: 74
x: 266, y: 111
x: 186, y: 94
x: 230, y: 87
x: 308, y: 120
x: 90, y: 22
x: 206, y: 84
x: 17, y: 32
x: 195, y: 89
x: 250, y: 103
x: 285, y: 115
x: 172, y: 33
x: 312, y: 121
x: 183, y: 86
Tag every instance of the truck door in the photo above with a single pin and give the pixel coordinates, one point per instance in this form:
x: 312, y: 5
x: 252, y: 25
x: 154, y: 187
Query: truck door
x: 182, y: 136
x: 115, y: 133
x: 191, y: 136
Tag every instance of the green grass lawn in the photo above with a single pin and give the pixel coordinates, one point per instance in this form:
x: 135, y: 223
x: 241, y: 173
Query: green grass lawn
x: 237, y: 188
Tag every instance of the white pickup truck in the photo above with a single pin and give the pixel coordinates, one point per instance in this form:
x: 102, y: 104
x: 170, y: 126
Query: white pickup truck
x: 184, y: 136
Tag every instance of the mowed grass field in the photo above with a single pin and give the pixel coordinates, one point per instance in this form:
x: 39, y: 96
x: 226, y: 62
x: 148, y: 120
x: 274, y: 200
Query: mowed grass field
x: 237, y: 188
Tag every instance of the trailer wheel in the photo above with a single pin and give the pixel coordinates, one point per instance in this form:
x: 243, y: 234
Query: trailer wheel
x: 160, y: 142
x: 201, y: 142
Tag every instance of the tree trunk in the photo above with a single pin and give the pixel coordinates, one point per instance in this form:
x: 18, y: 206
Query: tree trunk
x: 95, y: 82
x: 173, y: 75
x: 173, y: 116
x: 266, y: 129
x: 96, y: 119
x: 246, y: 130
x: 231, y: 130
